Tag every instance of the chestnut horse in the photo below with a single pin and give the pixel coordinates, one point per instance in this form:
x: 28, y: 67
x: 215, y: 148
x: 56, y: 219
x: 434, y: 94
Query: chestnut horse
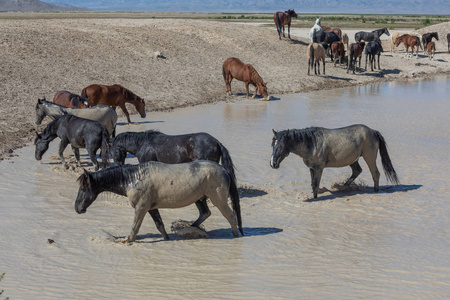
x: 284, y: 18
x: 114, y: 95
x: 431, y: 49
x: 409, y: 41
x: 356, y: 51
x: 234, y: 68
x: 338, y: 31
x: 67, y: 99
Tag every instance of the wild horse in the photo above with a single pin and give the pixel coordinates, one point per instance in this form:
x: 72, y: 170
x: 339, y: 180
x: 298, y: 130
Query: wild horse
x: 114, y: 95
x: 154, y: 185
x: 68, y: 99
x: 79, y: 133
x: 284, y: 18
x: 234, y: 68
x: 370, y: 36
x: 102, y: 113
x: 427, y: 37
x: 324, y: 148
x: 409, y: 41
x: 173, y: 149
x: 373, y: 49
x: 356, y: 51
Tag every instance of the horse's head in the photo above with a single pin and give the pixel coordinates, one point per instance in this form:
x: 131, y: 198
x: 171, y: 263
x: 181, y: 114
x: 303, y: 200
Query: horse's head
x: 117, y: 152
x: 140, y: 107
x: 86, y: 193
x: 84, y: 102
x: 280, y: 145
x: 40, y: 113
x: 291, y: 12
x: 318, y: 21
x: 263, y: 89
x: 435, y: 34
x: 387, y: 32
x: 41, y: 146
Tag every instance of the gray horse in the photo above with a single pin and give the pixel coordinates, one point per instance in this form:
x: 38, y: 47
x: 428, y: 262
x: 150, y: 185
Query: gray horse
x: 154, y: 185
x: 324, y: 148
x: 102, y: 113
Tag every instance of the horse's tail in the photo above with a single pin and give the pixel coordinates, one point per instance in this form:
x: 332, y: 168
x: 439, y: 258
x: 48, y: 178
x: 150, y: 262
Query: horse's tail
x: 420, y: 45
x: 106, y: 143
x: 389, y: 171
x: 226, y: 161
x: 277, y: 19
x: 224, y: 74
x: 311, y: 56
x: 234, y: 195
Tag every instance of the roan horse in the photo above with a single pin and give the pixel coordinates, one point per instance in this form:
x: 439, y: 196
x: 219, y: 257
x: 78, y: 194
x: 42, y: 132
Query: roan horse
x: 154, y: 185
x: 173, y: 149
x: 114, y: 95
x: 333, y: 148
x: 80, y: 133
x: 284, y: 18
x: 409, y: 41
x: 67, y: 99
x: 427, y: 37
x: 234, y: 68
x: 370, y: 36
x: 102, y: 113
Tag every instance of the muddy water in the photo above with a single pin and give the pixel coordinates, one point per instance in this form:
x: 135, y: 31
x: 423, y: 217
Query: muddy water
x: 349, y: 244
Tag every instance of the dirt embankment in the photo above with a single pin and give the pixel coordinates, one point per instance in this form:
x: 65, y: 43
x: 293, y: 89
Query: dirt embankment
x: 41, y: 57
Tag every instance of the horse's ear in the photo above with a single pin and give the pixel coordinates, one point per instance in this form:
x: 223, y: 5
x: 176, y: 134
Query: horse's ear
x: 274, y: 132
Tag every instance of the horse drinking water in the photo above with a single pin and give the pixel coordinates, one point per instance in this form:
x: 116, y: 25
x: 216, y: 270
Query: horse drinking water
x: 234, y: 68
x: 114, y: 95
x: 154, y: 185
x: 80, y: 133
x: 324, y: 148
x: 284, y: 18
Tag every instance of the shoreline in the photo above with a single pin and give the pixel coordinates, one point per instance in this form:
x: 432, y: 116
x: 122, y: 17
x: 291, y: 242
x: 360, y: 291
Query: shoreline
x: 71, y: 54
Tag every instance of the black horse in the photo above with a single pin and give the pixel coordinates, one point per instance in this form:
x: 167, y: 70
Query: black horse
x: 372, y: 50
x: 324, y: 148
x: 370, y: 36
x: 327, y: 37
x: 80, y: 133
x: 173, y: 149
x: 427, y: 37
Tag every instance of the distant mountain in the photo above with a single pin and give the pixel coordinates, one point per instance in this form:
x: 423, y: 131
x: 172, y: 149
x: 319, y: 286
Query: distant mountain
x: 419, y: 7
x: 33, y: 5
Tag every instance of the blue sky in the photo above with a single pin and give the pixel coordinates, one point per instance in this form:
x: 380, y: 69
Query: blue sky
x: 420, y: 7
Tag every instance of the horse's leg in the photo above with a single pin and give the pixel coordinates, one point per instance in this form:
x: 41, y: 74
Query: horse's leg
x: 316, y: 175
x: 62, y: 146
x: 125, y: 111
x: 379, y: 61
x: 219, y: 198
x: 76, y: 151
x: 203, y: 210
x: 246, y: 88
x: 323, y: 66
x: 159, y: 223
x: 283, y: 32
x: 356, y: 170
x: 93, y: 156
x: 365, y: 68
x: 289, y: 30
x: 256, y: 90
x: 139, y: 214
x: 372, y: 164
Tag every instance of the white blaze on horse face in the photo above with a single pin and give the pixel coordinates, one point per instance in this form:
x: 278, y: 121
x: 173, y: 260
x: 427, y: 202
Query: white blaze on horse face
x: 271, y: 158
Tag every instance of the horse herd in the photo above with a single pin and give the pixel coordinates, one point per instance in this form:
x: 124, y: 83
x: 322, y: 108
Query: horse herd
x: 178, y: 170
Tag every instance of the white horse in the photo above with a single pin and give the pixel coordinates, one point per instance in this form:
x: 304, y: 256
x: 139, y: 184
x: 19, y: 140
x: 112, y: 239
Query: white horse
x: 315, y: 28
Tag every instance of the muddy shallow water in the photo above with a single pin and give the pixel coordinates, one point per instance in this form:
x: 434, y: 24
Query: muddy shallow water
x: 350, y: 244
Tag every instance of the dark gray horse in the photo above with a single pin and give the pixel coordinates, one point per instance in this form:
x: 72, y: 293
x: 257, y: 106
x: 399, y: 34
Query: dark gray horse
x: 102, y: 113
x: 372, y: 50
x: 153, y: 185
x: 79, y: 133
x: 448, y: 42
x: 427, y: 37
x: 173, y: 149
x: 324, y: 148
x: 370, y: 36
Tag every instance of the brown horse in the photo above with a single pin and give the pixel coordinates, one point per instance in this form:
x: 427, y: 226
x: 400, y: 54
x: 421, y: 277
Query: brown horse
x: 67, y: 99
x: 409, y: 41
x: 234, y: 68
x: 284, y: 18
x: 114, y: 95
x: 345, y: 39
x: 337, y: 48
x: 338, y: 31
x: 431, y: 49
x: 356, y: 51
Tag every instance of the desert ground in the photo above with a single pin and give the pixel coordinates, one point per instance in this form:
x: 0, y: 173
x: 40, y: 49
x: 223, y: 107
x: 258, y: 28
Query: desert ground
x: 43, y: 56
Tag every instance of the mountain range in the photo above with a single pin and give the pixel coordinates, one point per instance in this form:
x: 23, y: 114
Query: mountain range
x: 34, y: 5
x: 419, y: 7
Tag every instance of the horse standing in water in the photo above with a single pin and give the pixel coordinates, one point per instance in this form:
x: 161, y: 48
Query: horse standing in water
x: 334, y: 148
x: 154, y: 185
x: 114, y: 95
x: 173, y: 149
x: 79, y: 133
x: 284, y: 18
x: 68, y: 99
x: 370, y: 36
x: 314, y: 29
x: 234, y: 68
x: 102, y: 113
x: 409, y: 41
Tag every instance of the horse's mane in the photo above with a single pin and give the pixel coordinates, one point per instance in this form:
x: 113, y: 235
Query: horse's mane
x: 308, y: 135
x: 255, y: 76
x: 127, y: 93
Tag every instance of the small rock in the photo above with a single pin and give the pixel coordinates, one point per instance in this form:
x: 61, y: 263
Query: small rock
x: 50, y: 241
